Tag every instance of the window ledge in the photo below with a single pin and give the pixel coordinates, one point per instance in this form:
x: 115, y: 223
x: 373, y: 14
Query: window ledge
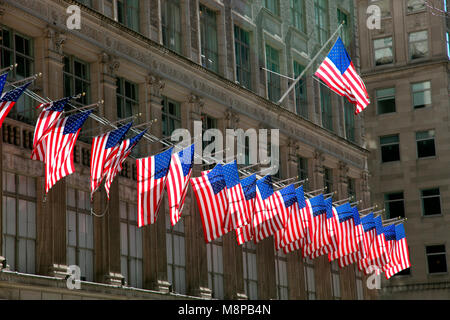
x: 427, y: 158
x: 433, y: 216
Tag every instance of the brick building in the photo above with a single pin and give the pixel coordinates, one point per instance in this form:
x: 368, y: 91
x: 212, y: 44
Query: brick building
x: 176, y: 61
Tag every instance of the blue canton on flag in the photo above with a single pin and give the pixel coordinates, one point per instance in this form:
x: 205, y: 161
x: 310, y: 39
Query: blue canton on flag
x: 249, y: 187
x: 368, y: 222
x: 3, y: 82
x: 187, y: 159
x: 231, y: 174
x: 14, y: 95
x: 162, y: 163
x: 329, y: 207
x: 117, y: 135
x: 216, y: 179
x: 339, y: 56
x: 289, y: 195
x: 75, y: 122
x: 301, y: 197
x: 318, y: 205
x: 265, y: 187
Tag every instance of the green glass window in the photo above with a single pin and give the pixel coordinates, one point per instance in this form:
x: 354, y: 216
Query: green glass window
x: 425, y: 144
x: 421, y: 94
x: 171, y: 24
x: 76, y: 79
x: 214, y: 254
x: 390, y: 148
x: 208, y: 32
x: 127, y: 98
x: 345, y: 31
x: 298, y: 14
x: 385, y: 100
x: 273, y: 6
x: 415, y: 5
x: 128, y: 13
x: 327, y: 112
x: 171, y: 116
x: 242, y: 52
x: 273, y: 80
x: 250, y: 270
x: 349, y: 112
x: 351, y: 190
x: 418, y: 45
x: 16, y: 48
x: 321, y: 16
x: 383, y: 51
x: 301, y: 101
x: 87, y: 3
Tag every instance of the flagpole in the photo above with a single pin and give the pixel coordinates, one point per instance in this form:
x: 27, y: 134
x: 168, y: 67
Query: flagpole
x: 9, y: 68
x: 32, y: 78
x: 368, y: 209
x: 343, y: 200
x: 311, y: 62
x: 94, y: 105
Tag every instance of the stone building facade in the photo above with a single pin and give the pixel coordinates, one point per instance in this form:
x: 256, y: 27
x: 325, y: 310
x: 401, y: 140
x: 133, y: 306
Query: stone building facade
x: 405, y: 66
x: 138, y: 58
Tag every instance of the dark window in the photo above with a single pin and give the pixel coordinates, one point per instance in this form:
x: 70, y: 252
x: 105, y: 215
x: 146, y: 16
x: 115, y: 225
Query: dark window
x: 385, y: 100
x: 383, y: 51
x: 273, y: 80
x: 327, y: 112
x: 171, y: 24
x: 242, y: 52
x: 431, y: 202
x: 250, y: 270
x: 128, y: 13
x: 77, y: 79
x: 415, y: 5
x: 303, y: 170
x: 390, y: 148
x: 208, y: 32
x: 328, y: 179
x: 321, y: 16
x: 127, y: 98
x: 301, y: 101
x: 298, y: 14
x: 273, y: 6
x: 425, y: 144
x: 436, y: 258
x: 351, y: 190
x: 345, y: 31
x: 349, y: 111
x: 87, y: 3
x: 394, y: 205
x: 171, y: 116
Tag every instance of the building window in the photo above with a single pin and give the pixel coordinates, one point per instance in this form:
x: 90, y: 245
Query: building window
x: 302, y: 165
x: 385, y: 100
x: 310, y: 282
x: 128, y: 13
x: 281, y: 276
x: 242, y: 52
x: 171, y: 116
x: 345, y: 31
x: 298, y: 14
x: 250, y: 270
x: 273, y: 80
x: 415, y: 5
x: 436, y: 257
x: 301, y: 101
x: 418, y: 45
x: 321, y: 16
x: 208, y: 31
x: 431, y: 202
x: 349, y: 112
x: 130, y: 245
x: 327, y: 112
x: 16, y: 48
x: 394, y: 204
x: 176, y: 255
x: 384, y: 5
x: 87, y: 3
x: 425, y: 144
x: 80, y: 233
x: 335, y: 281
x: 421, y: 94
x: 127, y: 98
x: 77, y: 79
x: 328, y: 179
x: 383, y: 51
x: 359, y: 285
x: 19, y: 222
x: 351, y: 190
x: 215, y: 268
x: 273, y: 6
x: 171, y: 24
x: 390, y: 148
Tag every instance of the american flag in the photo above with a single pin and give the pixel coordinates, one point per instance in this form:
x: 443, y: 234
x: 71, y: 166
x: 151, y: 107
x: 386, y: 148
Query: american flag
x: 389, y: 234
x: 346, y: 233
x: 245, y: 233
x: 400, y: 253
x: 339, y: 73
x: 297, y: 231
x: 332, y: 230
x: 3, y: 82
x: 357, y: 235
x: 286, y: 203
x: 266, y: 220
x: 59, y: 148
x: 51, y: 112
x: 211, y: 193
x: 117, y: 158
x: 151, y: 180
x: 237, y: 215
x: 101, y: 154
x: 9, y: 99
x: 318, y: 227
x: 369, y: 238
x: 180, y: 172
x: 377, y: 253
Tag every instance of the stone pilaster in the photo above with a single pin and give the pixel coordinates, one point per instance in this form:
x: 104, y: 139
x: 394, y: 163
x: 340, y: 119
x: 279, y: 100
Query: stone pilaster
x: 154, y: 30
x: 154, y: 236
x: 265, y: 260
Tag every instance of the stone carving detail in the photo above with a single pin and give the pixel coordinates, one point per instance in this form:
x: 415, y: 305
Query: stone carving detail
x: 343, y: 172
x: 111, y: 62
x: 232, y: 119
x: 318, y: 162
x: 197, y: 104
x: 293, y: 148
x: 156, y: 83
x: 57, y: 40
x: 365, y: 181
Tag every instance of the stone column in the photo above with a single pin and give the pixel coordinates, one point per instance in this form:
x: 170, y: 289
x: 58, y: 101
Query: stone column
x: 265, y: 260
x: 295, y: 265
x: 51, y: 223
x: 107, y: 228
x: 196, y: 256
x: 186, y: 32
x: 154, y: 236
x: 153, y: 10
x: 232, y: 253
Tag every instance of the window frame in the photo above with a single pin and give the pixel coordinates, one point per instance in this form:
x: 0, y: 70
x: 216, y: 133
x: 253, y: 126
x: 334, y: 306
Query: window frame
x: 410, y: 58
x: 385, y: 98
x: 169, y: 29
x: 125, y: 17
x: 273, y: 82
x: 166, y: 115
x: 273, y: 6
x: 432, y: 196
x: 375, y: 49
x: 326, y: 108
x: 281, y: 259
x: 416, y: 11
x: 328, y: 179
x: 321, y: 12
x: 387, y: 201
x: 240, y: 45
x: 121, y: 83
x: 308, y: 266
x: 434, y: 144
x: 428, y: 254
x: 389, y: 144
x: 249, y: 249
x: 172, y: 233
x: 335, y: 275
x: 297, y: 8
x: 213, y: 273
x: 421, y: 91
x: 206, y: 24
x: 301, y: 99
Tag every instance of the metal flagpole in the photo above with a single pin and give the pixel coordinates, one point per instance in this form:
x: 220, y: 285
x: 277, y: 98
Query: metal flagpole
x: 9, y: 68
x: 32, y: 78
x: 311, y: 62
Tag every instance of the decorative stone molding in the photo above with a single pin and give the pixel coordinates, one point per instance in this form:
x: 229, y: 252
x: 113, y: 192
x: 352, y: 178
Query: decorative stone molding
x: 115, y: 279
x: 417, y: 287
x: 197, y: 104
x: 156, y: 84
x: 162, y: 286
x: 3, y: 264
x: 232, y: 119
x: 204, y: 293
x: 293, y: 148
x: 365, y: 181
x: 111, y: 62
x: 57, y: 39
x: 59, y: 271
x: 343, y: 172
x: 319, y: 158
